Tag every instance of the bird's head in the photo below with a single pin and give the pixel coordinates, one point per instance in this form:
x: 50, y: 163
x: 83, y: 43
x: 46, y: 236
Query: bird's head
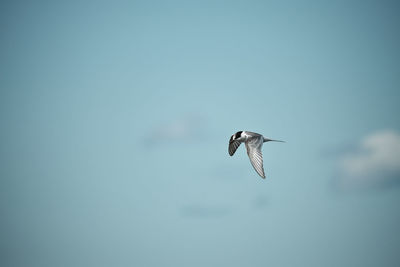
x: 236, y: 136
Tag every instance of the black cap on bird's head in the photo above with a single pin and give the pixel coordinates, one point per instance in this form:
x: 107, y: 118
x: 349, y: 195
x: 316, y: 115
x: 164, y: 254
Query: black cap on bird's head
x: 236, y: 136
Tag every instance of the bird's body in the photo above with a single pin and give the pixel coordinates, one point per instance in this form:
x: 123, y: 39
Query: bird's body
x: 254, y: 143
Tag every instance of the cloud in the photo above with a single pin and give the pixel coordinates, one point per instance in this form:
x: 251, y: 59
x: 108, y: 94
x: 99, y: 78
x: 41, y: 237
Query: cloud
x: 374, y: 163
x: 187, y: 129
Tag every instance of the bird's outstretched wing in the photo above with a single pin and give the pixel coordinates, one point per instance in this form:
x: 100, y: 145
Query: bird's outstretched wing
x: 233, y: 145
x: 253, y: 147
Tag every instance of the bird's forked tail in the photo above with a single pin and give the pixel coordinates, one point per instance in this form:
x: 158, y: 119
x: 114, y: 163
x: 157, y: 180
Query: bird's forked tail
x: 273, y: 140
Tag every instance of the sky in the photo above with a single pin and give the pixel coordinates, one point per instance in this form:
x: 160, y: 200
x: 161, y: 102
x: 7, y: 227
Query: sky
x: 116, y: 117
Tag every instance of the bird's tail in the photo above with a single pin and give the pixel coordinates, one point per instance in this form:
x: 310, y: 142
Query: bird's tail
x: 273, y: 140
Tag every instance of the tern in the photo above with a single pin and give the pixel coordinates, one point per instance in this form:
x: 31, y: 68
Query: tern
x: 254, y: 143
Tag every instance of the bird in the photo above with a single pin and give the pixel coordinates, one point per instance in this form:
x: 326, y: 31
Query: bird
x: 254, y: 143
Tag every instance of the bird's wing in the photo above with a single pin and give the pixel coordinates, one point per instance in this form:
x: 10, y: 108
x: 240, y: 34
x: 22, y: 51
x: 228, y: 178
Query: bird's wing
x: 253, y: 147
x: 233, y: 145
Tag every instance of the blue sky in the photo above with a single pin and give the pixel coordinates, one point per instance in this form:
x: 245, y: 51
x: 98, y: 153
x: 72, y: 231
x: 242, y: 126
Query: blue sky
x: 116, y: 117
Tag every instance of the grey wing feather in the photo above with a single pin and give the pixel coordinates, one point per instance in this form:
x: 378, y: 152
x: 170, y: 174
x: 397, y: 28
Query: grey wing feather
x: 254, y: 152
x: 233, y: 146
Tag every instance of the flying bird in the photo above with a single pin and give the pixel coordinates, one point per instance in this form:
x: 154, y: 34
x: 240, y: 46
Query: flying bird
x: 254, y: 143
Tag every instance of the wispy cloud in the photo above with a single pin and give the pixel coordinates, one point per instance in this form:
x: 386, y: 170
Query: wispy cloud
x: 374, y: 163
x: 189, y: 128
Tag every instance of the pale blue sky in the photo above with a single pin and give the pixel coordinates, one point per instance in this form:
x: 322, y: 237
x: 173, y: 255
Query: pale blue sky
x: 116, y: 117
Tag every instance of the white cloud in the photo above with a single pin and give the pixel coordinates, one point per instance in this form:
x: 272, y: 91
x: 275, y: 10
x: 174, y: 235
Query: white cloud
x: 189, y: 128
x: 375, y: 162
